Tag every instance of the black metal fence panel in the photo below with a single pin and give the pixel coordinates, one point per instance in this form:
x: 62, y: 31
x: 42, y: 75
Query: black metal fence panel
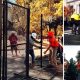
x: 16, y: 23
x: 1, y: 38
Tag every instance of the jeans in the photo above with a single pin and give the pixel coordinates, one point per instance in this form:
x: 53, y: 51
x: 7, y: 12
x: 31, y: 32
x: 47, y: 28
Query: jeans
x: 31, y: 52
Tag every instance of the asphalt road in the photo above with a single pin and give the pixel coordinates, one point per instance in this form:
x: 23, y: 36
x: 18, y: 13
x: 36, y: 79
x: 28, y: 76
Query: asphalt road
x: 71, y: 39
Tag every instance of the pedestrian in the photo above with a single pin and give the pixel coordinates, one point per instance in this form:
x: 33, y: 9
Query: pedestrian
x: 53, y: 46
x: 32, y: 42
x: 13, y: 42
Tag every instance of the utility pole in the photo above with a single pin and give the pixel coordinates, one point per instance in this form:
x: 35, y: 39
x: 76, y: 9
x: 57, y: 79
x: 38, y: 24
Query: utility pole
x: 41, y: 39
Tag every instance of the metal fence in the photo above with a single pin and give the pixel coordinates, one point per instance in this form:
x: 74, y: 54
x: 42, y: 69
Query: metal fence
x: 16, y: 19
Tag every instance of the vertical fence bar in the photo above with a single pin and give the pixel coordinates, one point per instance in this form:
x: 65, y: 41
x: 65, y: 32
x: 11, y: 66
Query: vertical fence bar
x: 0, y: 53
x: 27, y: 43
x: 4, y: 70
x: 0, y: 36
x: 41, y: 40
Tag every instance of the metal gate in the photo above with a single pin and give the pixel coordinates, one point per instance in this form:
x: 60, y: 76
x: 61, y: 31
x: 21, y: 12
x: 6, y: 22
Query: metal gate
x: 13, y: 14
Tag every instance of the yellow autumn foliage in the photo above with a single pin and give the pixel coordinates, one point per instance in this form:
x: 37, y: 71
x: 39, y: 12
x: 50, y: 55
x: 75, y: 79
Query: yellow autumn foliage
x: 45, y: 7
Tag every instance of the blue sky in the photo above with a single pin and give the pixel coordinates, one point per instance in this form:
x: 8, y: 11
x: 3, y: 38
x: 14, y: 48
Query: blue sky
x: 71, y: 51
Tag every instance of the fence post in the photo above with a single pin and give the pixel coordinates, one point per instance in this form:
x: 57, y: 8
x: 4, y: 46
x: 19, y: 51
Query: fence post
x: 27, y: 42
x: 0, y: 36
x: 4, y: 65
x: 41, y: 40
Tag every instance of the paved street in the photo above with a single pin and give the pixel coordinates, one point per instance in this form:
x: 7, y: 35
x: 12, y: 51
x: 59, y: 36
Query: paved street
x: 16, y: 65
x: 71, y: 39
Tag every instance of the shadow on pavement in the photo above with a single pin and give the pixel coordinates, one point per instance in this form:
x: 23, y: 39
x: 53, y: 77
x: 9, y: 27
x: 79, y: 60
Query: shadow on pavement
x: 47, y: 72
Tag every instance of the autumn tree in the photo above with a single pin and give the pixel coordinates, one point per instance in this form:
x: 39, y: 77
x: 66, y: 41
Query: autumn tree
x: 46, y: 7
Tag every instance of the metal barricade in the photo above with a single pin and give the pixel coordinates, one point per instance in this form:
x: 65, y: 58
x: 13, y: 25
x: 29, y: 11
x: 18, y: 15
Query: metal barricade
x: 16, y: 20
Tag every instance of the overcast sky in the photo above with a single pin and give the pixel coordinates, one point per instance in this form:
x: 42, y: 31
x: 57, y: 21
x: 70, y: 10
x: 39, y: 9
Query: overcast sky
x: 71, y: 51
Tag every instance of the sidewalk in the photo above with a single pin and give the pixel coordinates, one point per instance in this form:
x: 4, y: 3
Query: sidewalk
x: 38, y: 73
x: 16, y: 65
